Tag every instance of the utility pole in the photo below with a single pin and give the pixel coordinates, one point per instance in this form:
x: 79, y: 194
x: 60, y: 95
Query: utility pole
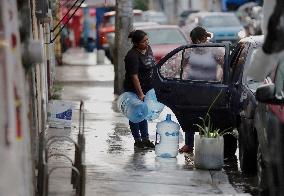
x: 151, y: 5
x: 175, y: 10
x: 189, y: 4
x: 123, y: 25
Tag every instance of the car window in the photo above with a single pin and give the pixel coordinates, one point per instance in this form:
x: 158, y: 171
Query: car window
x: 221, y: 21
x: 165, y: 36
x: 111, y: 20
x: 203, y: 64
x: 246, y: 79
x: 237, y: 62
x: 158, y: 17
x: 172, y: 67
x: 196, y: 64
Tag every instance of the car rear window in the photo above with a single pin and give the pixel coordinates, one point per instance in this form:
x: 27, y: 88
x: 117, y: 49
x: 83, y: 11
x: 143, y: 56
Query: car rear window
x: 165, y: 36
x: 221, y: 21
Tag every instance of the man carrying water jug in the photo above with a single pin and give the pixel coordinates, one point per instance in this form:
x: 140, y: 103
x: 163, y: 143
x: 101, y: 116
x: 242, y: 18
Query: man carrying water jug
x: 139, y: 64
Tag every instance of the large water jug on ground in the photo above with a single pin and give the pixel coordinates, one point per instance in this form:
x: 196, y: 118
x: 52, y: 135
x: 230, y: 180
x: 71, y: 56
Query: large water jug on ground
x: 132, y: 107
x: 168, y: 135
x: 154, y: 107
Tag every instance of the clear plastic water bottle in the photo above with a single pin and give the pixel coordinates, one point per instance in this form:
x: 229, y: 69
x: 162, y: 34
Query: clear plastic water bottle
x: 168, y: 132
x: 132, y: 107
x: 154, y: 107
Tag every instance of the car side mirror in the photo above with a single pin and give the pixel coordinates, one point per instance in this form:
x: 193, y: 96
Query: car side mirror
x: 266, y: 93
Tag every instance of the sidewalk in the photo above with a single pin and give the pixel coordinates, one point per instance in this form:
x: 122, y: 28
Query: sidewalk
x: 113, y: 167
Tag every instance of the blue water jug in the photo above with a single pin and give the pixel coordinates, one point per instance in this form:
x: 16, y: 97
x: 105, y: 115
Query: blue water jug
x: 168, y: 132
x: 154, y: 107
x: 132, y: 107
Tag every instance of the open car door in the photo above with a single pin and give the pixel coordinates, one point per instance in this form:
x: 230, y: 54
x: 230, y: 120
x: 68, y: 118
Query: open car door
x: 190, y: 78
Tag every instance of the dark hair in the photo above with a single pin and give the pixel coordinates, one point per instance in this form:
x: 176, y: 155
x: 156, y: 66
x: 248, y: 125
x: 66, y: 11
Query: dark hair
x: 198, y: 33
x: 137, y: 36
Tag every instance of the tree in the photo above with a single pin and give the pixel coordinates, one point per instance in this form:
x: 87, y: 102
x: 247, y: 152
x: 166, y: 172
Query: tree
x: 141, y: 4
x: 123, y: 25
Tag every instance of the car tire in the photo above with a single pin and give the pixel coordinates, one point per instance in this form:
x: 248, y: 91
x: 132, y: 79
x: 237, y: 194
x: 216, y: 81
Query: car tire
x: 230, y: 145
x: 247, y: 153
x: 261, y: 174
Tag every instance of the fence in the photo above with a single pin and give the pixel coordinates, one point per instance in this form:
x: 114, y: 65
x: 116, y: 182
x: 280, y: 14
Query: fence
x: 78, y: 167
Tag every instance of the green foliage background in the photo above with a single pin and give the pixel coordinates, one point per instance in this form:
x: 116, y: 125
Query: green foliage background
x: 141, y: 4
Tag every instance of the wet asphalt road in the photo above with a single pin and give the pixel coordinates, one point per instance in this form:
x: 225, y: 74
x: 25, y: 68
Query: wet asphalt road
x: 114, y: 167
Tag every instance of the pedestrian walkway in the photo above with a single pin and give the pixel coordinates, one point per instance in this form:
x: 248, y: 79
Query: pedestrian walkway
x: 113, y: 166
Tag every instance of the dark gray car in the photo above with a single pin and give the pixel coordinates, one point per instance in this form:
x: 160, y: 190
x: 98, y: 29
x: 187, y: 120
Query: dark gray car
x: 190, y: 95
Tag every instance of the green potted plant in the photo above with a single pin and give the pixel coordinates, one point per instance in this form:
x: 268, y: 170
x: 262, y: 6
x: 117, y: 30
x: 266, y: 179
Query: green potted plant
x: 209, y: 144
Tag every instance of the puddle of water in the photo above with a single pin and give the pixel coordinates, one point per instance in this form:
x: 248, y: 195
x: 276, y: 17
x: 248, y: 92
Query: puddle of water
x: 241, y: 182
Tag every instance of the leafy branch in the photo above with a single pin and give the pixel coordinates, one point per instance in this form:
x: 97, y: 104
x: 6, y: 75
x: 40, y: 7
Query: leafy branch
x: 206, y: 128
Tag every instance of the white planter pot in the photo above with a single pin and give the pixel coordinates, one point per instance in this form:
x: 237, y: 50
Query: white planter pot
x: 209, y: 152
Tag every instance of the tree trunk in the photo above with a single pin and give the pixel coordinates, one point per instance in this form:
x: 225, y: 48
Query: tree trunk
x: 123, y: 25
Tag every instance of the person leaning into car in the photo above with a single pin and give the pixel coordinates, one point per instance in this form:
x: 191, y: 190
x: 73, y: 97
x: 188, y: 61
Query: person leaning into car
x: 201, y: 64
x: 139, y: 64
x: 199, y: 61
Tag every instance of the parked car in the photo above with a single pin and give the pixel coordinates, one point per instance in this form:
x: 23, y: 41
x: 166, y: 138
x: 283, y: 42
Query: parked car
x: 184, y: 15
x: 190, y: 99
x: 250, y: 15
x: 225, y: 26
x: 111, y: 36
x: 162, y: 38
x: 108, y: 26
x: 269, y: 123
x: 243, y: 101
x: 155, y: 16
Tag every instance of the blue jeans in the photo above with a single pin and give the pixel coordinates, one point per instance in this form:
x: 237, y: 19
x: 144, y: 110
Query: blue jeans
x: 189, y: 138
x: 139, y: 130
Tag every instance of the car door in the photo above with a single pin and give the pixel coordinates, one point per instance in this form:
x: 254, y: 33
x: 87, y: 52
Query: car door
x: 190, y: 97
x: 238, y: 89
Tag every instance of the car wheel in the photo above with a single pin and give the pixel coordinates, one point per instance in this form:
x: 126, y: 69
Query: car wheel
x: 261, y: 174
x: 230, y: 146
x: 247, y: 154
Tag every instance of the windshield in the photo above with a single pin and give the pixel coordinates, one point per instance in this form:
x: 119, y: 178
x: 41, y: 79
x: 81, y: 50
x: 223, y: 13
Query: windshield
x: 158, y: 18
x: 252, y: 84
x: 221, y: 21
x: 165, y: 36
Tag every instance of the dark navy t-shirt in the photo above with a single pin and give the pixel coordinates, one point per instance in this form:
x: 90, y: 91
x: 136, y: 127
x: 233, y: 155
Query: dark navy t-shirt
x: 141, y: 64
